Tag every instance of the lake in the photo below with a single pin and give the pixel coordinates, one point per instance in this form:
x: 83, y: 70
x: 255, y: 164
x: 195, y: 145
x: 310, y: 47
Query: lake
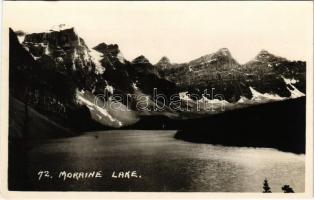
x: 161, y: 162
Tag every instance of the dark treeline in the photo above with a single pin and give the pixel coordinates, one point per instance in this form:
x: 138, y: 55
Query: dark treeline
x: 279, y: 125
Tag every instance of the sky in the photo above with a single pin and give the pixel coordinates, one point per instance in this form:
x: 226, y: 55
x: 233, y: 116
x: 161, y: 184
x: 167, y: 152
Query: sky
x: 182, y: 31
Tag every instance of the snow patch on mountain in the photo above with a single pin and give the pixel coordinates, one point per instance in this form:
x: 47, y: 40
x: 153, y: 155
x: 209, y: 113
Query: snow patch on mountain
x: 134, y: 86
x: 259, y: 97
x: 214, y: 104
x: 47, y: 52
x: 75, y: 55
x: 243, y: 100
x: 290, y: 80
x: 213, y: 101
x: 35, y: 57
x: 295, y: 93
x: 99, y: 112
x: 97, y: 57
x: 105, y: 113
x: 109, y: 89
x: 121, y: 58
x: 86, y: 55
x: 21, y: 38
x: 184, y: 96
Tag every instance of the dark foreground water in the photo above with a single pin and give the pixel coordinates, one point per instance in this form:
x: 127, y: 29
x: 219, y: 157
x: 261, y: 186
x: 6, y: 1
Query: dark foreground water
x: 161, y: 162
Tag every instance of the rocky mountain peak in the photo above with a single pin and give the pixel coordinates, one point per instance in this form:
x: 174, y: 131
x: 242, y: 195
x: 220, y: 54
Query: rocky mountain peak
x: 20, y: 35
x: 60, y: 45
x: 60, y: 27
x: 164, y: 59
x: 141, y: 60
x: 222, y: 56
x: 264, y: 52
x: 19, y: 32
x: 163, y: 62
x: 61, y: 38
x: 266, y: 56
x: 224, y: 52
x: 62, y: 48
x: 111, y: 49
x: 62, y: 59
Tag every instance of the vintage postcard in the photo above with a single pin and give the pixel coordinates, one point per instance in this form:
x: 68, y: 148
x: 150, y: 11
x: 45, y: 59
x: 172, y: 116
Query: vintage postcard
x: 157, y: 99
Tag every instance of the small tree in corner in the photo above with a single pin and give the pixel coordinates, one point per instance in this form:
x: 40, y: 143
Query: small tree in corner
x: 287, y: 189
x: 266, y: 187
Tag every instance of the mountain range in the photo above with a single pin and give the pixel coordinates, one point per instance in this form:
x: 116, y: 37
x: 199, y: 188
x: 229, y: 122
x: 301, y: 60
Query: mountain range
x: 58, y: 75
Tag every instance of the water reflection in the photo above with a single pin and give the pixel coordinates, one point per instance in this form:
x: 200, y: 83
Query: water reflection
x: 165, y: 164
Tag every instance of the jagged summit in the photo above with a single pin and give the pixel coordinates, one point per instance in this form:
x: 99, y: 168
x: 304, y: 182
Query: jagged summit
x: 60, y: 34
x: 110, y: 51
x: 105, y: 49
x: 141, y: 60
x: 163, y: 62
x: 264, y: 51
x: 19, y: 32
x: 266, y: 56
x: 224, y: 52
x: 63, y: 55
x: 63, y: 38
x: 222, y: 56
x: 20, y: 35
x: 63, y: 48
x: 60, y: 27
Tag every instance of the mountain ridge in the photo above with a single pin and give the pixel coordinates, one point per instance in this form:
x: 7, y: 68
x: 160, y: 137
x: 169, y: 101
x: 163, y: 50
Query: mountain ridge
x: 103, y: 69
x: 115, y: 47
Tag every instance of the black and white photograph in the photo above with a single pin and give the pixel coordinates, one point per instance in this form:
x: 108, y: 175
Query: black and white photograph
x: 211, y: 97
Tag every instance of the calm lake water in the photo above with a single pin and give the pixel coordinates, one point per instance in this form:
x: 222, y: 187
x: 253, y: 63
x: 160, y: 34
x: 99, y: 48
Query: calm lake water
x: 163, y: 162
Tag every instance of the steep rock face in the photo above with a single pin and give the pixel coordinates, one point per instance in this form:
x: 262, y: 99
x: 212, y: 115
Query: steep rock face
x: 267, y: 73
x: 21, y: 68
x: 218, y: 70
x: 62, y: 45
x: 142, y: 65
x: 101, y: 70
x: 136, y: 79
x: 271, y: 71
x: 201, y: 70
x: 67, y: 69
x: 65, y: 52
x: 147, y: 78
x: 116, y: 74
x: 141, y: 60
x: 111, y: 50
x: 74, y: 74
x: 43, y: 87
x: 221, y: 60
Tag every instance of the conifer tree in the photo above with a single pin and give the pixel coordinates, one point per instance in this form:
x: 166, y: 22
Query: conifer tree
x: 266, y: 187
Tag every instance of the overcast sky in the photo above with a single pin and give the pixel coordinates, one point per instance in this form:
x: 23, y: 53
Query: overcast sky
x: 180, y: 30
